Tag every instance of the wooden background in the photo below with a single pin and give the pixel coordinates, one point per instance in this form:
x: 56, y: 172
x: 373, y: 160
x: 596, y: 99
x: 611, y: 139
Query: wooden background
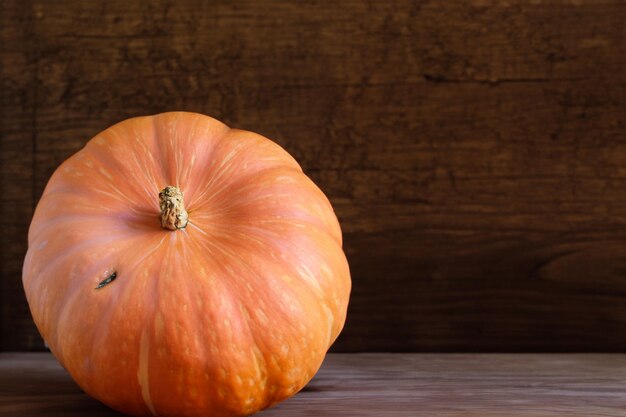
x: 475, y: 151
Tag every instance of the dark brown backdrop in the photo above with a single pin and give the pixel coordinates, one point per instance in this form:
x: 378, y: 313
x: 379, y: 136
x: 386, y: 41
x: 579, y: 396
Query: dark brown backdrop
x: 475, y: 154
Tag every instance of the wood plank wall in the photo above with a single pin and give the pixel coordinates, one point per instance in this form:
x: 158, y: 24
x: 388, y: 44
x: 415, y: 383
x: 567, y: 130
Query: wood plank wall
x: 474, y: 151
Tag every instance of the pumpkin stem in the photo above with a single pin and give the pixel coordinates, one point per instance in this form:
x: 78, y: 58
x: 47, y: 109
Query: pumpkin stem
x: 173, y: 214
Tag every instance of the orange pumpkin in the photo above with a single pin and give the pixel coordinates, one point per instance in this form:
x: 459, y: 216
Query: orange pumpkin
x: 177, y: 267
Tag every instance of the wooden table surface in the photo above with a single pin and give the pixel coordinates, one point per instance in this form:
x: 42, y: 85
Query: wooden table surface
x: 382, y: 385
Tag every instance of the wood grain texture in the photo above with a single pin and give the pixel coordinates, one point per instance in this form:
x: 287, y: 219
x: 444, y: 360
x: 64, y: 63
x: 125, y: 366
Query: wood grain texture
x: 17, y: 141
x: 474, y: 151
x: 390, y: 385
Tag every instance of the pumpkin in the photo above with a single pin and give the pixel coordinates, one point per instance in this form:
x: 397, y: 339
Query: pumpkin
x: 178, y: 267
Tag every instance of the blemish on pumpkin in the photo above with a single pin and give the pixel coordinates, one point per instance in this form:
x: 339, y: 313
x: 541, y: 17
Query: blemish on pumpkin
x: 105, y: 173
x: 244, y: 311
x: 159, y: 324
x: 107, y: 280
x: 142, y: 372
x: 261, y: 316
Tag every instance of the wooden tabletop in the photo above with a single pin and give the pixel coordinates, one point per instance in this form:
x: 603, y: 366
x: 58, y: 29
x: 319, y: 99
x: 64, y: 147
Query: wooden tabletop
x: 382, y: 385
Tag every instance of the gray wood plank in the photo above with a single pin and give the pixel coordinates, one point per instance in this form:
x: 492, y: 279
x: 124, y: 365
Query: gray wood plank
x: 391, y: 385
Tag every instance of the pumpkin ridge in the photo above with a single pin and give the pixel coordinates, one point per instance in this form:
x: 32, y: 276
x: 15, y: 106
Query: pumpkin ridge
x: 261, y: 361
x: 170, y: 144
x: 247, y: 265
x: 195, y: 309
x: 322, y: 284
x: 162, y: 157
x: 252, y: 342
x: 64, y: 220
x: 139, y: 177
x: 223, y: 173
x: 240, y: 232
x: 208, y: 304
x: 242, y: 179
x: 86, y: 280
x: 112, y: 195
x: 72, y: 251
x: 61, y: 310
x: 251, y: 191
x: 313, y: 289
x: 203, y: 159
x: 105, y: 153
x: 136, y: 280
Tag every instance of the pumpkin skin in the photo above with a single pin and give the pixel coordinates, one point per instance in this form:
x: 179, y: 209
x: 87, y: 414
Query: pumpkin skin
x: 223, y: 317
